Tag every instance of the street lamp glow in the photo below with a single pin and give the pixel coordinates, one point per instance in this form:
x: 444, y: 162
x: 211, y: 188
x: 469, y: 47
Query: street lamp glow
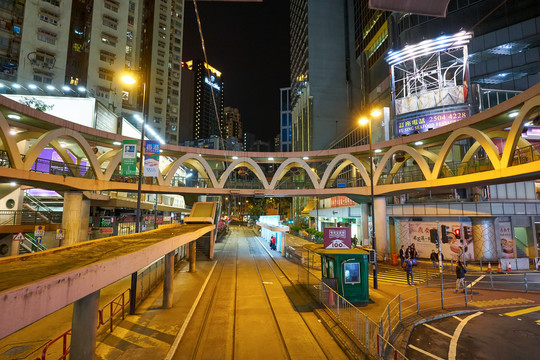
x: 50, y: 87
x: 14, y: 117
x: 66, y: 88
x: 81, y: 89
x: 419, y: 143
x: 305, y: 158
x: 377, y: 151
x: 117, y: 143
x: 16, y: 86
x: 363, y: 121
x: 127, y: 79
x: 235, y: 157
x: 513, y: 114
x: 12, y: 132
x: 376, y: 113
x: 13, y: 184
x: 271, y: 158
x: 32, y: 86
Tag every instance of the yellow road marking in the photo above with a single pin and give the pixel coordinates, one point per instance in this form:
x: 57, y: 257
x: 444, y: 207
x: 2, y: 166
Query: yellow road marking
x: 524, y: 311
x: 425, y: 352
x: 437, y: 330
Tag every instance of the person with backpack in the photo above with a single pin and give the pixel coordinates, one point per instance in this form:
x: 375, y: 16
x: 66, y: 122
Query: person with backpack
x: 407, y: 266
x: 460, y: 276
x: 434, y: 258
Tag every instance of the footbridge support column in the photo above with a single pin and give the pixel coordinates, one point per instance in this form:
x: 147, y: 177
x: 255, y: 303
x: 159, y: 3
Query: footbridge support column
x: 380, y: 226
x: 84, y: 327
x: 192, y: 255
x: 168, y: 277
x: 75, y: 218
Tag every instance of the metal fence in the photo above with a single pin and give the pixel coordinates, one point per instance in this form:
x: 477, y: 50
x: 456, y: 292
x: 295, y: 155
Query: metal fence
x: 354, y: 322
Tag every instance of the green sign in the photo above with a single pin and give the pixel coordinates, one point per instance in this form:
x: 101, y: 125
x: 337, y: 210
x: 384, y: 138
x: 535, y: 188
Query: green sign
x: 129, y: 157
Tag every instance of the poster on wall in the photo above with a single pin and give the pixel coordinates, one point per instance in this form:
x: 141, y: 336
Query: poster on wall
x: 151, y: 158
x: 419, y: 236
x: 507, y: 240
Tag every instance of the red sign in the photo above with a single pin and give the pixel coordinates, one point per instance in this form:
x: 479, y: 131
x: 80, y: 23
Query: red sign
x: 337, y: 238
x: 106, y: 230
x: 338, y: 201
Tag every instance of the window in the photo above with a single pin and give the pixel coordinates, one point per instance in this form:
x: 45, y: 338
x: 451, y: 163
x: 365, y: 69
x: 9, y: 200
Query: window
x: 159, y: 101
x: 46, y: 36
x: 102, y: 92
x: 45, y: 58
x: 48, y: 17
x: 131, y: 6
x: 53, y: 2
x: 43, y: 77
x: 160, y: 62
x: 157, y: 110
x: 107, y: 56
x: 112, y: 5
x: 106, y: 74
x: 352, y: 273
x: 131, y: 20
x: 109, y: 39
x: 111, y: 22
x: 159, y: 72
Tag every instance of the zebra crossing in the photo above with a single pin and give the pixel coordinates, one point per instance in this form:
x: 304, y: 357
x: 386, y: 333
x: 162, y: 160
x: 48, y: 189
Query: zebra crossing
x: 396, y: 275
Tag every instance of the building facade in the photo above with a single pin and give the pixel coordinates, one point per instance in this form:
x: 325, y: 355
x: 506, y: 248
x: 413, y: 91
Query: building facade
x: 285, y: 135
x: 77, y: 48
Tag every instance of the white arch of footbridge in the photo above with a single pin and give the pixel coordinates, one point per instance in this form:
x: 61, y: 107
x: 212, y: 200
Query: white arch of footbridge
x: 277, y: 174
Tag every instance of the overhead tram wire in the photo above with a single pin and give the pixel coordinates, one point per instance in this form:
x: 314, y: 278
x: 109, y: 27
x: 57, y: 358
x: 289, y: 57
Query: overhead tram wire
x: 208, y: 72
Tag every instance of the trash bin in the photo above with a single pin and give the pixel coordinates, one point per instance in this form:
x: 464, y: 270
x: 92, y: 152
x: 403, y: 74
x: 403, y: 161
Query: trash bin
x: 394, y: 259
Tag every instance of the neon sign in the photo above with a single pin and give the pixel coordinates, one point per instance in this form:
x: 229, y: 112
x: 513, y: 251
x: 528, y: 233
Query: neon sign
x: 212, y: 83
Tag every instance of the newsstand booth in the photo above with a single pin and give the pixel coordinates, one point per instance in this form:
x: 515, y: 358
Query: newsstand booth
x: 346, y: 270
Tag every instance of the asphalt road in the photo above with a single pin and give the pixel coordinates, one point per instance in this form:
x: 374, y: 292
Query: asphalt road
x: 511, y: 281
x: 504, y: 333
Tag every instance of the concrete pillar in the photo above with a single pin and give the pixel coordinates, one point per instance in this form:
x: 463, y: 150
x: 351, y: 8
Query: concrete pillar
x: 380, y: 226
x: 168, y: 277
x: 484, y: 239
x: 75, y: 218
x: 84, y: 327
x: 365, y: 236
x: 192, y: 255
x: 392, y: 236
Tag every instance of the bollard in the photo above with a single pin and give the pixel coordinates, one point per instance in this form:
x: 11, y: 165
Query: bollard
x: 526, y: 284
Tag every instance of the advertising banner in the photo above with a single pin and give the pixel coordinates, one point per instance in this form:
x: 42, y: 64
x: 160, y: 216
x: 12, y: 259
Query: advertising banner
x: 151, y: 158
x: 507, y: 240
x: 129, y: 157
x: 337, y: 238
x: 419, y: 236
x: 424, y: 122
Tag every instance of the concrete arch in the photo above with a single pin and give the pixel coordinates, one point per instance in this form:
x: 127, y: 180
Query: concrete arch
x: 349, y: 159
x: 114, y: 157
x: 526, y: 110
x: 48, y: 137
x: 492, y: 135
x: 420, y: 161
x: 250, y: 164
x: 484, y: 141
x: 197, y: 162
x: 290, y: 163
x: 10, y: 146
x: 428, y: 154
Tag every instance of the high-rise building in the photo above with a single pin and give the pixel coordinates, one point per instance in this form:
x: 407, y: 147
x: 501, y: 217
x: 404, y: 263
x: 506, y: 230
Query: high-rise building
x: 285, y: 135
x: 205, y: 87
x: 324, y: 73
x: 76, y: 47
x: 232, y: 125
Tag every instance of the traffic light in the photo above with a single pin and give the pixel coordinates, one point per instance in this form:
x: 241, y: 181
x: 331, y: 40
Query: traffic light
x: 444, y: 235
x: 466, y: 232
x: 457, y: 232
x: 433, y: 236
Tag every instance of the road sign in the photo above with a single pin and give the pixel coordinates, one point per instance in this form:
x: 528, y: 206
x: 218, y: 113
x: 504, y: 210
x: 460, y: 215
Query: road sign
x: 18, y: 237
x: 38, y: 239
x: 59, y: 234
x: 39, y: 231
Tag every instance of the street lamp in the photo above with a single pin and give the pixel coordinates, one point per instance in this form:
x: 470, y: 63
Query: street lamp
x: 364, y: 121
x: 127, y: 79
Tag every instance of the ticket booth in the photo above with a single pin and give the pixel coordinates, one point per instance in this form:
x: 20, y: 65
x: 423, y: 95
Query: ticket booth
x: 345, y: 270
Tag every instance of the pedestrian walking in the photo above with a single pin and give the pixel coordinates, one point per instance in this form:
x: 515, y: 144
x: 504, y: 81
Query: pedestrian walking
x: 408, y: 268
x: 402, y: 255
x: 434, y: 258
x: 460, y: 276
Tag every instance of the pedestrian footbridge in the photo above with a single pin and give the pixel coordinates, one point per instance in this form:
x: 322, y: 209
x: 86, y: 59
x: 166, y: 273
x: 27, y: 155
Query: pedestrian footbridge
x: 496, y: 153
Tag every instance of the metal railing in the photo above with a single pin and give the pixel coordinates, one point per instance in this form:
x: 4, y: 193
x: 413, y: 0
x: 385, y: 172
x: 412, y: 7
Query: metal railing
x: 15, y: 217
x: 65, y: 347
x: 115, y: 306
x: 31, y: 245
x: 354, y: 322
x: 421, y: 299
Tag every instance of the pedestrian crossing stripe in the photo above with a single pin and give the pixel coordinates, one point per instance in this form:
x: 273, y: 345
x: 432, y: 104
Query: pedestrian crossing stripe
x: 523, y: 311
x: 398, y: 276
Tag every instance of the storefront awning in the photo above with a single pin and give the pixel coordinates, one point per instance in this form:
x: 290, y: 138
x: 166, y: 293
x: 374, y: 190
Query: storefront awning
x: 310, y: 206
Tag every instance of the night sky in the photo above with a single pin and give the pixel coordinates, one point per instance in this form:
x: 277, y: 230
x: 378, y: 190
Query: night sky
x: 249, y: 44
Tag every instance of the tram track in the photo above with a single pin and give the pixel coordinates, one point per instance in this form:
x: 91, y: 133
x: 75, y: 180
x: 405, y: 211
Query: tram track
x: 251, y: 309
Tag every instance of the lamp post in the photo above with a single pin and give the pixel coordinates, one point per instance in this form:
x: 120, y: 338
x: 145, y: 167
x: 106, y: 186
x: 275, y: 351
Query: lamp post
x: 133, y: 290
x: 365, y: 121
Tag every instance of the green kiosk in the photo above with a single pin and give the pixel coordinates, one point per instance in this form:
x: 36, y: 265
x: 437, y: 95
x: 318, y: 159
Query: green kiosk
x: 344, y: 269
